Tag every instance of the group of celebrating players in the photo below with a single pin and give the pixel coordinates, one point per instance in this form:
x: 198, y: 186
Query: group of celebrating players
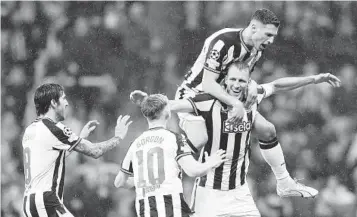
x: 217, y: 105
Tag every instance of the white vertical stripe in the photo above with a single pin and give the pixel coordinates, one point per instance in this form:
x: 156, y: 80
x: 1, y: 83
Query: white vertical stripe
x: 216, y: 121
x: 146, y: 207
x: 40, y: 205
x: 28, y: 206
x: 60, y: 170
x: 218, y: 45
x: 160, y: 204
x: 227, y: 165
x: 176, y: 202
x: 137, y: 207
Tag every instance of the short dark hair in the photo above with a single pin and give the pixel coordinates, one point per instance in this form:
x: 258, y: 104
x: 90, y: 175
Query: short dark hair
x: 153, y: 105
x: 44, y: 94
x: 266, y: 17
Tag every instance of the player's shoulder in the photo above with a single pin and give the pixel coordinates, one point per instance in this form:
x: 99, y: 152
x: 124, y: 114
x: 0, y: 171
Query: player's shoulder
x: 228, y: 30
x: 57, y: 129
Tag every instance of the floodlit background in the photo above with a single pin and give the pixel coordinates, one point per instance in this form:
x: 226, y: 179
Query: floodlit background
x: 101, y: 51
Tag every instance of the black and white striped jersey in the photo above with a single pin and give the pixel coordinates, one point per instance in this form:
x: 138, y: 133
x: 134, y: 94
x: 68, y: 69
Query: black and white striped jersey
x: 152, y: 160
x: 220, y: 49
x: 233, y: 138
x: 44, y: 147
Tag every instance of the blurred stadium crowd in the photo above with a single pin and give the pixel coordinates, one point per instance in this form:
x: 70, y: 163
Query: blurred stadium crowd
x: 101, y: 51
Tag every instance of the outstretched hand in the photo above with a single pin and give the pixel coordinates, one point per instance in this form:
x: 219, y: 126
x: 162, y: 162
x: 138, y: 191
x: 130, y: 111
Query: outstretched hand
x: 122, y: 126
x: 329, y: 78
x: 88, y: 128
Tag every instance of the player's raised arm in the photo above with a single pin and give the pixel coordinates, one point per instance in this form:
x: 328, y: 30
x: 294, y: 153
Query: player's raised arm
x: 291, y: 83
x: 96, y: 150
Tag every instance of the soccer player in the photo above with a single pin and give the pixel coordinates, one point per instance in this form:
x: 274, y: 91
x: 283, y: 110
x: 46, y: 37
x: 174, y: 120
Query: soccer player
x: 221, y: 49
x: 224, y: 191
x: 155, y: 159
x: 45, y: 144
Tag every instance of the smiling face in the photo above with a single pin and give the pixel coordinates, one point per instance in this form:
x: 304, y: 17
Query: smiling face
x: 237, y: 80
x: 263, y: 34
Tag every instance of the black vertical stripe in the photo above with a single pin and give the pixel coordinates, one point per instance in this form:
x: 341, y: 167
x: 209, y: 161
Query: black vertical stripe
x: 185, y: 209
x: 153, y: 206
x: 141, y: 208
x: 58, y: 132
x: 50, y: 197
x: 33, y: 208
x: 169, y: 206
x: 218, y: 173
x: 247, y: 141
x: 209, y: 124
x: 55, y: 172
x: 235, y: 158
x: 24, y: 207
x: 60, y: 189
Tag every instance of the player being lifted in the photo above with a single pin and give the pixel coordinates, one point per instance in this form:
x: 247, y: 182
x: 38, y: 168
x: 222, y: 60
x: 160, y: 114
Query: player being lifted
x: 225, y: 190
x: 45, y: 144
x: 221, y: 49
x: 155, y: 159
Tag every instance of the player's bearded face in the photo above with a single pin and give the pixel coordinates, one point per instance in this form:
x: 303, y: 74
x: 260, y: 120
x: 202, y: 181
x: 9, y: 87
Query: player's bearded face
x: 61, y: 107
x: 264, y: 35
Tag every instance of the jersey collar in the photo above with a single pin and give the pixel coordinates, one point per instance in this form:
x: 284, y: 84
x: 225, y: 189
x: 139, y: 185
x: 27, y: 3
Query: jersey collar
x: 156, y: 128
x: 242, y: 42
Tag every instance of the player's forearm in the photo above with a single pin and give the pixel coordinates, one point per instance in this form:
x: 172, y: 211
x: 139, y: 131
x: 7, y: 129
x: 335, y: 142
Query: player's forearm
x: 96, y: 150
x: 217, y: 91
x: 198, y: 170
x: 291, y: 83
x: 180, y: 106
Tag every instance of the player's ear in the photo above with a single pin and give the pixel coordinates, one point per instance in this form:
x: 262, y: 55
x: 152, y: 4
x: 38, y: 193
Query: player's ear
x: 53, y: 103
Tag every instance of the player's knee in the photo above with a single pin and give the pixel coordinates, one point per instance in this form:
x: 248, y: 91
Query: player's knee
x: 197, y: 139
x: 268, y: 133
x: 195, y: 131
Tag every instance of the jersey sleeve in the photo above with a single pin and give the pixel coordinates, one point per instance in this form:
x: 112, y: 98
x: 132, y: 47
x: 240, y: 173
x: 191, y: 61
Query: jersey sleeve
x: 216, y: 52
x: 65, y: 138
x: 127, y: 164
x: 183, y: 148
x: 201, y: 103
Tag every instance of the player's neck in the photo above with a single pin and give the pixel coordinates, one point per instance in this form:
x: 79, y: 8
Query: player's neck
x: 50, y: 115
x: 247, y: 36
x: 157, y: 124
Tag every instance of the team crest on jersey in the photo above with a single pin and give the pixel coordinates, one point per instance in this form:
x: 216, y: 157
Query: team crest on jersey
x: 229, y: 127
x: 214, y: 54
x: 67, y: 131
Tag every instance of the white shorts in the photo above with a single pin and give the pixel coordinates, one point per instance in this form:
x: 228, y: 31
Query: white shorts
x: 184, y: 93
x: 233, y: 203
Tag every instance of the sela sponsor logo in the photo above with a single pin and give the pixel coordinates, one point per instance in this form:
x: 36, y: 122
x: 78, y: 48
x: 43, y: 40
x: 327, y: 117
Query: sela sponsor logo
x: 229, y: 127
